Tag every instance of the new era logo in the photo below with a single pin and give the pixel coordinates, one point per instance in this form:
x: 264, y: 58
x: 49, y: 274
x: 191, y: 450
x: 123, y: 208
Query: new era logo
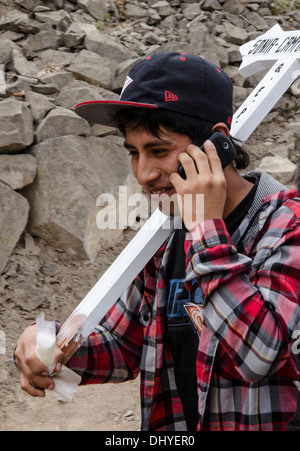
x: 127, y: 83
x: 170, y: 97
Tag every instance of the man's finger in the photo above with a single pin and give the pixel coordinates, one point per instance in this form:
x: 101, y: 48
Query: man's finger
x: 193, y: 161
x: 199, y: 159
x: 36, y: 367
x: 213, y: 157
x: 29, y: 388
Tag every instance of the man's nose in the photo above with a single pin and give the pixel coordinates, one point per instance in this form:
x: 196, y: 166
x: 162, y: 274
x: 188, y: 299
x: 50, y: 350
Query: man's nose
x: 146, y: 171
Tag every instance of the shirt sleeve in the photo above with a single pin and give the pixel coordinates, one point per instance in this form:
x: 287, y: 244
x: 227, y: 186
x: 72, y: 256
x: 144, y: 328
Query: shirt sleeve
x: 112, y: 352
x: 250, y: 301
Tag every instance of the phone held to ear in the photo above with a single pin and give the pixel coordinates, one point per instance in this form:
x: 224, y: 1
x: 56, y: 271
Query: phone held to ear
x: 225, y: 150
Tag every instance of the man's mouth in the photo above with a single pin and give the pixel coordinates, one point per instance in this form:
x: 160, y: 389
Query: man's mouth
x: 164, y: 199
x: 159, y: 192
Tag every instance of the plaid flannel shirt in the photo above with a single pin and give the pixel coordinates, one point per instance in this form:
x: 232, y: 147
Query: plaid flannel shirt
x: 251, y: 286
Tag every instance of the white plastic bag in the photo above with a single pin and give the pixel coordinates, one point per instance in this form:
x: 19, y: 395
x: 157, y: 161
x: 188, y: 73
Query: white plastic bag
x: 66, y: 381
x: 45, y: 341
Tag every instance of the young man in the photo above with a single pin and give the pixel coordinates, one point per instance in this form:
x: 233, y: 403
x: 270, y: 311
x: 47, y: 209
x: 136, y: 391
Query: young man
x: 207, y: 323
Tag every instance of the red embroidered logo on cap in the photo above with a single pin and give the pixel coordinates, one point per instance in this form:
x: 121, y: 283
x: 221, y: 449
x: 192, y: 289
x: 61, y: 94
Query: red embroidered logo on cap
x: 170, y: 97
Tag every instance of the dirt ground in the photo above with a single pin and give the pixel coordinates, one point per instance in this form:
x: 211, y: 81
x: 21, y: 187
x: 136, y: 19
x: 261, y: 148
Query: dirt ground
x: 38, y: 278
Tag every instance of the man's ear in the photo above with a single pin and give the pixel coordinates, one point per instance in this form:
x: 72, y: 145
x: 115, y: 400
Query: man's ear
x: 221, y: 127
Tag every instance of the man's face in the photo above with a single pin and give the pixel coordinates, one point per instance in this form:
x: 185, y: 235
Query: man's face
x: 154, y: 159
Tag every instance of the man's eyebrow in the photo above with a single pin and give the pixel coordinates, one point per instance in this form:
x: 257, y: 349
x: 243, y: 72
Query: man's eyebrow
x: 155, y: 143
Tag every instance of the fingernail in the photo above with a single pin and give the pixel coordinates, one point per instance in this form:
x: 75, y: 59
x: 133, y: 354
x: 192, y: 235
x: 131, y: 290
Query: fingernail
x: 57, y: 367
x: 191, y: 146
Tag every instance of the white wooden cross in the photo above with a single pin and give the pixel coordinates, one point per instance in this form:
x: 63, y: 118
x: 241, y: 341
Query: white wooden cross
x: 280, y: 50
x: 277, y: 48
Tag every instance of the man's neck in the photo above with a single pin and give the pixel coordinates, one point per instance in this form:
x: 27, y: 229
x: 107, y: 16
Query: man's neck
x: 237, y: 189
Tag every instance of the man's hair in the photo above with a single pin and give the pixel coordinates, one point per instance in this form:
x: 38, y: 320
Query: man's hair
x: 153, y: 120
x: 298, y: 178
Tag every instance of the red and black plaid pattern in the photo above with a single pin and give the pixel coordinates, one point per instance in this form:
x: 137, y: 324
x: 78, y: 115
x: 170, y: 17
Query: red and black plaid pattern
x: 251, y: 288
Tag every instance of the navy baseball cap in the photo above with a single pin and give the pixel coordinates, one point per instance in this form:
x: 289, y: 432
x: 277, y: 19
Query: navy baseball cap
x: 174, y: 81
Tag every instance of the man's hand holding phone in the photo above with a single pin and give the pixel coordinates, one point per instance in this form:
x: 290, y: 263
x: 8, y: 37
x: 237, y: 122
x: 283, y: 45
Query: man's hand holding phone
x: 204, y: 177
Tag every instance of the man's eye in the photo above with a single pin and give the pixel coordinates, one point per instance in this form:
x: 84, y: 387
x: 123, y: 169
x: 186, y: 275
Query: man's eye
x: 159, y: 151
x: 133, y: 153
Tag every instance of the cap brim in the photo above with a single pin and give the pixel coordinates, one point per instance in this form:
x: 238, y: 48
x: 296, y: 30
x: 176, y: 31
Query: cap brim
x: 103, y: 111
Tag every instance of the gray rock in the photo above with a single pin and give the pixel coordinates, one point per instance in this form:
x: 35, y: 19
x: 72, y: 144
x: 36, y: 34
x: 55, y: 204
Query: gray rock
x: 72, y: 173
x: 203, y: 44
x: 240, y: 94
x: 30, y: 5
x: 45, y: 89
x: 39, y: 104
x: 19, y: 22
x: 60, y: 19
x: 153, y: 16
x: 256, y: 20
x: 60, y: 78
x: 28, y: 297
x: 294, y: 127
x: 48, y: 266
x: 235, y: 7
x: 152, y: 38
x: 234, y: 54
x: 48, y: 39
x: 6, y: 49
x: 12, y: 35
x: 163, y: 8
x: 278, y: 151
x: 211, y: 5
x: 17, y: 171
x: 104, y: 45
x: 193, y: 10
x: 135, y: 12
x: 280, y: 168
x: 61, y: 122
x: 22, y: 66
x: 95, y: 8
x: 236, y: 35
x: 16, y: 126
x: 53, y: 59
x: 93, y: 68
x: 74, y: 35
x: 14, y: 214
x: 81, y: 91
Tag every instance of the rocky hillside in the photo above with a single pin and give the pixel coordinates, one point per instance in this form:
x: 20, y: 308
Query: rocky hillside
x: 54, y: 165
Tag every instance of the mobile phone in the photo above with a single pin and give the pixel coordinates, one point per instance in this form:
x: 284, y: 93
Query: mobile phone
x: 225, y: 150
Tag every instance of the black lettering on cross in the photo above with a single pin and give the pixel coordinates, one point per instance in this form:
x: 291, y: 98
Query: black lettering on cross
x: 242, y: 112
x: 263, y: 87
x: 278, y: 69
